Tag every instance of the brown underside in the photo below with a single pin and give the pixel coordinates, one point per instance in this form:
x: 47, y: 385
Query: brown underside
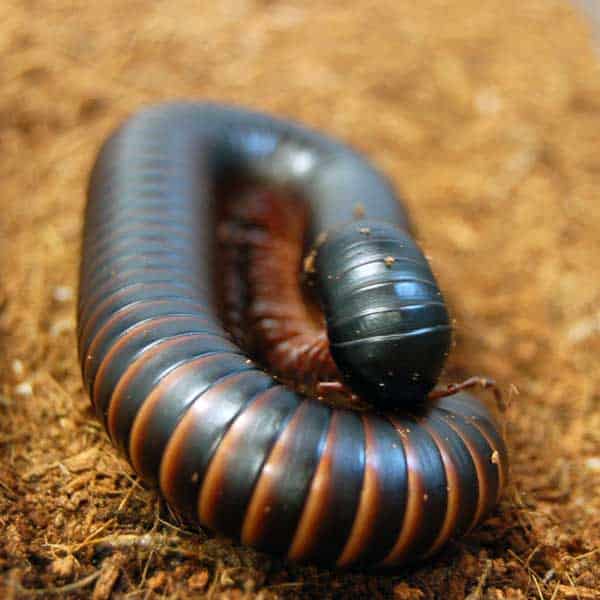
x: 262, y: 243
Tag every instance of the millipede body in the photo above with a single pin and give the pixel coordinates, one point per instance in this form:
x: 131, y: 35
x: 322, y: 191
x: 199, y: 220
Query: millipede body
x: 166, y: 303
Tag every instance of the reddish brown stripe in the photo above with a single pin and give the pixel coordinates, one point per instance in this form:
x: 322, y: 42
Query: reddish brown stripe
x: 452, y: 487
x: 153, y: 401
x: 139, y: 329
x: 199, y: 412
x: 114, y: 319
x: 332, y: 499
x: 213, y: 485
x: 273, y: 472
x: 362, y: 530
x: 304, y: 539
x: 414, y: 515
x: 199, y: 432
x: 127, y: 278
x: 479, y: 467
x: 88, y: 321
x: 500, y: 460
x: 133, y: 369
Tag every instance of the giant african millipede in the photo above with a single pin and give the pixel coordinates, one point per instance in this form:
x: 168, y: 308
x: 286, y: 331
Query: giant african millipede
x: 175, y: 279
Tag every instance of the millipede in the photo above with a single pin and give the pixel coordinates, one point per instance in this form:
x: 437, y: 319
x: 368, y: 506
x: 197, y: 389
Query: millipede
x: 261, y: 337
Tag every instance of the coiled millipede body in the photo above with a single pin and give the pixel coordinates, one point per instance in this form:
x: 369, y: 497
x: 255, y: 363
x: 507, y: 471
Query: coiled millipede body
x: 161, y: 322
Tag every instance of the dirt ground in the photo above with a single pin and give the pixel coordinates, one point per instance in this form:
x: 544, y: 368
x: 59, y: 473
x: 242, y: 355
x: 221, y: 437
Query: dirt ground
x: 486, y: 113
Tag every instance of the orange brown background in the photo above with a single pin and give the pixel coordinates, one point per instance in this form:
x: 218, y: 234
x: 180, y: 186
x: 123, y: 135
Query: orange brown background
x: 485, y: 113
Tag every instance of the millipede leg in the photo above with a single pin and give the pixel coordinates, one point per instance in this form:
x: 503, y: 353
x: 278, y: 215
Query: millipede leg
x: 471, y: 382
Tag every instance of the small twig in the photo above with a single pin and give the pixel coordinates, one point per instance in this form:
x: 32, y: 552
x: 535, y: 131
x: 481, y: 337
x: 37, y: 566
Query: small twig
x: 8, y: 491
x: 146, y: 567
x: 530, y: 571
x: 476, y: 594
x: 533, y: 575
x: 90, y: 539
x: 126, y: 498
x: 172, y: 526
x: 587, y: 554
x: 131, y: 479
x: 216, y: 578
x: 531, y: 555
x: 70, y: 587
x: 572, y: 583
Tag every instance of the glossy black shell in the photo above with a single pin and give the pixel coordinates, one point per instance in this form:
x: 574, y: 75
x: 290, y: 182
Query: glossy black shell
x: 228, y: 446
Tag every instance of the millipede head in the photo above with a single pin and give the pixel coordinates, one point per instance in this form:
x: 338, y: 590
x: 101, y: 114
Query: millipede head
x: 387, y: 322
